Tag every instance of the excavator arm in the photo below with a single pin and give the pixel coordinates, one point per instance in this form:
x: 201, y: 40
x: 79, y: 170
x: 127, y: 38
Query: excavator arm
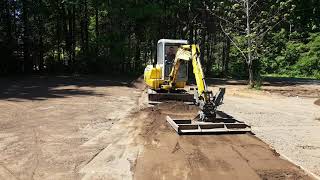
x: 204, y: 98
x: 188, y: 53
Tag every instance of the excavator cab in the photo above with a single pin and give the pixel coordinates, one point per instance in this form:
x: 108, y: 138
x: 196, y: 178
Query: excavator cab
x: 166, y: 52
x: 157, y: 75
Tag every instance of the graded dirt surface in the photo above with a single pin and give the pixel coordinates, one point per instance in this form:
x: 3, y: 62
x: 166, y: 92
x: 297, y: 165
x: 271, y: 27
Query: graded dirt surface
x: 167, y: 155
x: 66, y: 127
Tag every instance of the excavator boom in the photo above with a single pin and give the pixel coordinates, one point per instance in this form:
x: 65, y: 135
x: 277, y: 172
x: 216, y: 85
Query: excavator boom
x: 188, y: 53
x: 203, y: 97
x: 207, y: 120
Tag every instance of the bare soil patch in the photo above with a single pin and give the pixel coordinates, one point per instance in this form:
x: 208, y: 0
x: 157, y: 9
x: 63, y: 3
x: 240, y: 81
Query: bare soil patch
x: 138, y: 83
x: 291, y: 91
x: 167, y: 155
x: 52, y: 127
x: 292, y: 87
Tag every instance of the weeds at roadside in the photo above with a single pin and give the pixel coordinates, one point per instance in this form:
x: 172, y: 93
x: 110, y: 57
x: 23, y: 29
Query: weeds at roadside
x: 257, y: 84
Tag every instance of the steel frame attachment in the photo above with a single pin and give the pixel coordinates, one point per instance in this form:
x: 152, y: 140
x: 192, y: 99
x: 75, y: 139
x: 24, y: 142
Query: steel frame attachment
x: 220, y: 125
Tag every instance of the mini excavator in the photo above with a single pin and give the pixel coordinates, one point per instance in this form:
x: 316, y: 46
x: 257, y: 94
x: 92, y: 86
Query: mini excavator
x: 167, y: 79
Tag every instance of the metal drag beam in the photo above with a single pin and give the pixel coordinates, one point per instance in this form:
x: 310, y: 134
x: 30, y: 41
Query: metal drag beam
x: 222, y: 125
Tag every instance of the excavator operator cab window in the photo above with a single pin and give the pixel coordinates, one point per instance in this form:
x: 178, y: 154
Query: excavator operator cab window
x: 166, y: 52
x: 170, y: 54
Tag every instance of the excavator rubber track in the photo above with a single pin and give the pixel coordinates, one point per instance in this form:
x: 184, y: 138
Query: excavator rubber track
x: 224, y: 124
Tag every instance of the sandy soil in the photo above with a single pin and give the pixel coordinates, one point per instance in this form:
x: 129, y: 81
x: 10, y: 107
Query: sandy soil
x: 52, y: 128
x: 102, y: 128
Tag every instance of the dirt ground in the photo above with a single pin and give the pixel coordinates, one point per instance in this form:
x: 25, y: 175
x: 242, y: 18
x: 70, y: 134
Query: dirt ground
x: 51, y: 127
x: 169, y: 156
x: 102, y: 128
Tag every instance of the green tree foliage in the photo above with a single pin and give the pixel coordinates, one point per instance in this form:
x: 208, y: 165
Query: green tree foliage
x: 94, y: 36
x: 309, y: 61
x: 292, y: 57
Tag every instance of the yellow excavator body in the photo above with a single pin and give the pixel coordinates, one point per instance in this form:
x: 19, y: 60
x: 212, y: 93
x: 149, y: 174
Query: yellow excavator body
x: 152, y: 77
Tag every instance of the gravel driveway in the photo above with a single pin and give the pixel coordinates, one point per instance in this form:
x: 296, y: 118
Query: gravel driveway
x: 291, y: 125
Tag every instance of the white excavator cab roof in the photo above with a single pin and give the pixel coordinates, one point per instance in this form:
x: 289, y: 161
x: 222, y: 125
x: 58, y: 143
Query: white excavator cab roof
x: 173, y: 41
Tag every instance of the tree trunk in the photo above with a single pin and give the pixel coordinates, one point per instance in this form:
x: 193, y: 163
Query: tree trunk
x: 66, y: 30
x: 41, y: 31
x: 70, y: 35
x: 208, y: 62
x: 227, y: 60
x: 82, y: 29
x: 59, y: 34
x: 225, y: 57
x: 41, y: 60
x: 8, y: 21
x: 137, y: 56
x: 27, y: 64
x: 251, y: 82
x: 86, y: 26
x: 97, y: 21
x: 202, y: 48
x: 73, y: 35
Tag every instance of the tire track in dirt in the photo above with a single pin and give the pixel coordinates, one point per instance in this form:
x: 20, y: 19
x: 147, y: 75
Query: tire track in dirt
x: 167, y: 155
x: 37, y: 152
x: 6, y: 173
x: 117, y: 160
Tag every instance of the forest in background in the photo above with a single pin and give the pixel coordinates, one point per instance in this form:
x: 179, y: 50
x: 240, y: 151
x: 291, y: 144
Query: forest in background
x: 237, y: 38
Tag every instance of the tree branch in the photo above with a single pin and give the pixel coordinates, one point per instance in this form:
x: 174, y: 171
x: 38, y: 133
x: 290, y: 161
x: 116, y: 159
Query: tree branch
x: 221, y: 18
x: 242, y: 53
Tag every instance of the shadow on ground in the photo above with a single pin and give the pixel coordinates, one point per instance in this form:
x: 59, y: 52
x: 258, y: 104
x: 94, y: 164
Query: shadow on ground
x: 45, y: 87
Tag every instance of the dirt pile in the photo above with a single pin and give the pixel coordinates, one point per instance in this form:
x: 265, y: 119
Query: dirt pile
x: 297, y: 92
x: 167, y: 155
x: 138, y: 83
x: 177, y: 108
x: 317, y: 102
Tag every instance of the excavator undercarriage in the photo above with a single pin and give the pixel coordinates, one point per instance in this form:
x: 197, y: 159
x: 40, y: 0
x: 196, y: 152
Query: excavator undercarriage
x: 179, y: 95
